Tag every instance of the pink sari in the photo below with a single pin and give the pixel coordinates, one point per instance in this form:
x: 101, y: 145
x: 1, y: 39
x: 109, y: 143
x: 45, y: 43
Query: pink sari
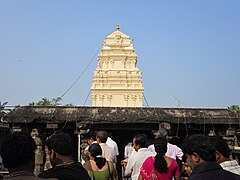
x: 148, y: 172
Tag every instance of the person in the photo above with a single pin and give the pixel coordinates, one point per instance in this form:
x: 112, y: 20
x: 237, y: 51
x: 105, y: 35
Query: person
x: 137, y: 158
x: 200, y: 154
x: 128, y: 149
x: 98, y: 168
x: 91, y: 138
x: 160, y: 166
x: 18, y: 155
x: 173, y: 151
x: 223, y: 153
x: 108, y: 152
x: 112, y: 144
x: 186, y: 169
x: 60, y: 148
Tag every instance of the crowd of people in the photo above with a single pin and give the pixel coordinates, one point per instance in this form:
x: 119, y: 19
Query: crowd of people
x: 200, y: 157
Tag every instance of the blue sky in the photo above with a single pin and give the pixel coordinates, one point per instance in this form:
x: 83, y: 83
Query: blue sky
x: 188, y: 51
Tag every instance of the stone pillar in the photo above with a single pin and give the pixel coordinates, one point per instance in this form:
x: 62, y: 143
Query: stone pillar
x: 47, y: 164
x: 38, y: 153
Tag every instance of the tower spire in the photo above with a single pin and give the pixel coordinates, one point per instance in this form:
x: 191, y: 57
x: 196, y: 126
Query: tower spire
x: 118, y: 27
x: 117, y: 82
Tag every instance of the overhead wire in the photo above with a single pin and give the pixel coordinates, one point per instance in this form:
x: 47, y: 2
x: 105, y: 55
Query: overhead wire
x: 82, y: 72
x: 87, y: 97
x: 155, y: 112
x: 145, y: 99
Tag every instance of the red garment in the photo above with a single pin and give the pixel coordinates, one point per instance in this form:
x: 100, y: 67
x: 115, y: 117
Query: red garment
x: 148, y: 172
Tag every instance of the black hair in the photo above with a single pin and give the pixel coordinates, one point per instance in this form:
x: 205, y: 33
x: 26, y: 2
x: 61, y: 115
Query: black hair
x: 61, y: 143
x: 102, y: 135
x: 141, y: 140
x: 201, y: 145
x: 91, y: 135
x: 221, y: 145
x: 160, y: 164
x: 17, y: 149
x: 96, y: 152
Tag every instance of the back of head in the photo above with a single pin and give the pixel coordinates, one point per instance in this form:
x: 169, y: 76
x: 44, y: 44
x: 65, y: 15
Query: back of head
x: 141, y: 140
x: 96, y: 152
x: 102, y: 136
x: 221, y: 145
x: 17, y: 149
x: 200, y: 145
x: 91, y: 135
x: 160, y: 145
x: 61, y: 143
x: 160, y: 163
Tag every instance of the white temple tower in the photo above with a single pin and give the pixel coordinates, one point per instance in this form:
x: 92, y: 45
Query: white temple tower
x: 117, y: 82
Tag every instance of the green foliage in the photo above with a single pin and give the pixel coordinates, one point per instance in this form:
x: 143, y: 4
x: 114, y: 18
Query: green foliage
x: 69, y: 104
x: 56, y: 101
x: 234, y: 108
x: 46, y: 102
x: 2, y: 108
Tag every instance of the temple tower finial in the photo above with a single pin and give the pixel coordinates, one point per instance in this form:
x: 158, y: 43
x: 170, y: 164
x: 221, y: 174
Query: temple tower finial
x: 118, y: 27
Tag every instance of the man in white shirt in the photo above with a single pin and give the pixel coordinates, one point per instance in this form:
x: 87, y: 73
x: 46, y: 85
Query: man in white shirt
x: 112, y: 144
x: 173, y: 151
x: 136, y: 159
x: 107, y: 152
x: 128, y: 149
x: 223, y: 155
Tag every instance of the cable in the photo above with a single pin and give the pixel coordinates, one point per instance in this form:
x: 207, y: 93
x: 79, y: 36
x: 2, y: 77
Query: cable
x: 155, y: 112
x: 60, y: 130
x: 186, y: 128
x: 81, y: 73
x: 87, y: 97
x: 204, y: 128
x: 146, y: 100
x: 178, y: 127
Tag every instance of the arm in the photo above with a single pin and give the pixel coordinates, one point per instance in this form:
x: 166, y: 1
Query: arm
x: 179, y: 153
x: 177, y: 177
x: 114, y: 174
x: 177, y: 173
x: 140, y: 177
x: 129, y: 166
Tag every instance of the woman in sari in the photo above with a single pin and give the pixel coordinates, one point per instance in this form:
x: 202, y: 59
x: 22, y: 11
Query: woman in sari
x: 98, y: 168
x: 159, y: 167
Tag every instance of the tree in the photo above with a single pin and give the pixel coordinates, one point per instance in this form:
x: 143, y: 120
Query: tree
x: 235, y: 108
x: 56, y: 101
x: 46, y: 102
x: 2, y: 108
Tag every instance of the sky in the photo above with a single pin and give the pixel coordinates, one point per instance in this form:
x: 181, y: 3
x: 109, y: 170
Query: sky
x: 188, y: 51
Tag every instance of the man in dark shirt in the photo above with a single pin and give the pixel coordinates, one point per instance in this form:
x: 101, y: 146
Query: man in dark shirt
x: 201, y: 157
x: 60, y: 148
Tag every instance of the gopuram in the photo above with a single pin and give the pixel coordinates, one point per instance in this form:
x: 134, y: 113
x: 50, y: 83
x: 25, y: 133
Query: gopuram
x: 117, y: 82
